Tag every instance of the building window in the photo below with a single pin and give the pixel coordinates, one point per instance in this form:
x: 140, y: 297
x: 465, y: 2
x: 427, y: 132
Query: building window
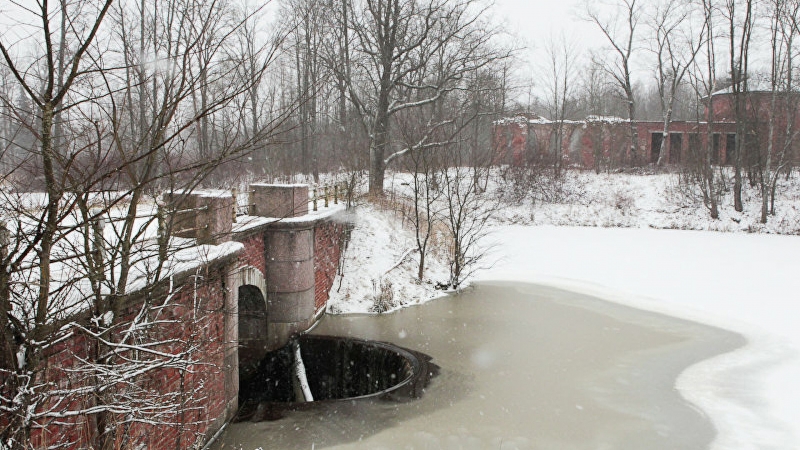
x: 675, y: 147
x: 655, y: 146
x: 730, y: 148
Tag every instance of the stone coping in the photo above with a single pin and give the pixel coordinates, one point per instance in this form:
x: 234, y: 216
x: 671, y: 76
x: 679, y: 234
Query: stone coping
x: 248, y: 223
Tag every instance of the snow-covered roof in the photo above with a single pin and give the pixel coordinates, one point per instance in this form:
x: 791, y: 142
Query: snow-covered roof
x: 605, y: 119
x: 539, y: 120
x: 758, y: 83
x: 216, y: 193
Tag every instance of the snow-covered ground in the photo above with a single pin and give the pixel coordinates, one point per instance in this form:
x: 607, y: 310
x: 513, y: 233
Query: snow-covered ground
x: 630, y: 246
x: 747, y: 283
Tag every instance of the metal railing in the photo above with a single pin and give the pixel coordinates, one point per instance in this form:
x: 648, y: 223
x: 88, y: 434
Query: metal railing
x: 328, y: 192
x: 324, y: 194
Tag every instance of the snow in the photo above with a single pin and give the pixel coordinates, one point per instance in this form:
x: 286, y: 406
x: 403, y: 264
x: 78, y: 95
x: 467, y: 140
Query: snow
x: 183, y: 260
x: 637, y: 242
x: 523, y: 119
x: 606, y: 119
x: 245, y: 222
x: 378, y: 242
x: 745, y: 283
x: 300, y: 373
x: 213, y: 193
x: 281, y: 185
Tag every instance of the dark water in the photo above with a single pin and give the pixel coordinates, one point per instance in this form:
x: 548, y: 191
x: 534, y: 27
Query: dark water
x: 523, y: 367
x: 334, y: 368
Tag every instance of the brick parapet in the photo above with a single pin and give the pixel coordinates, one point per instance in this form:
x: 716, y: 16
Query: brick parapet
x: 198, y: 313
x: 192, y: 318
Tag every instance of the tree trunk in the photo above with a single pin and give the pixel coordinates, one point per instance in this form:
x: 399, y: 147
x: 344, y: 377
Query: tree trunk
x: 634, y: 155
x: 378, y: 144
x: 737, y: 176
x: 665, y: 135
x: 376, y: 168
x: 51, y: 220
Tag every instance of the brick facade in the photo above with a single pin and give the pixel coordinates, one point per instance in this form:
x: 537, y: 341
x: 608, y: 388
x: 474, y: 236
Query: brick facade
x: 195, y: 313
x: 329, y: 240
x: 253, y: 253
x: 605, y: 141
x: 190, y: 320
x: 601, y: 142
x: 759, y: 108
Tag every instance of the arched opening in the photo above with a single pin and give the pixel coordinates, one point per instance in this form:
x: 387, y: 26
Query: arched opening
x: 335, y: 369
x: 252, y: 329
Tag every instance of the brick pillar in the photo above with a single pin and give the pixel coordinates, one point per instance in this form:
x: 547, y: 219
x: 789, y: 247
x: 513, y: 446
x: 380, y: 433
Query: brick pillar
x: 276, y: 200
x: 203, y: 215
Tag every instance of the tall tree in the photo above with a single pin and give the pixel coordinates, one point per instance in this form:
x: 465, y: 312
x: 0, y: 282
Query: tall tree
x: 699, y: 172
x: 66, y: 40
x: 782, y: 109
x: 676, y: 46
x: 393, y: 63
x: 622, y: 37
x: 307, y: 33
x: 562, y: 80
x: 117, y: 101
x: 740, y: 21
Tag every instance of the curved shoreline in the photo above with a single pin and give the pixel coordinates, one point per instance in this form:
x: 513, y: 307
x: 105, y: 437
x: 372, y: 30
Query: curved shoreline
x: 523, y: 366
x: 724, y: 386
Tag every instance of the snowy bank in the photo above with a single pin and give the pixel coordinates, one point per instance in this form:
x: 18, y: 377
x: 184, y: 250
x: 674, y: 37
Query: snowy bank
x: 633, y: 252
x: 742, y: 282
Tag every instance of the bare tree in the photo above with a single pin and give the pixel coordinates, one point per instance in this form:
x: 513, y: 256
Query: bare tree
x: 562, y: 76
x: 622, y: 38
x: 740, y: 30
x: 423, y: 212
x: 466, y: 213
x: 117, y: 102
x: 675, y: 53
x: 47, y: 85
x: 464, y: 117
x: 783, y: 31
x: 396, y: 44
x: 308, y: 31
x: 699, y: 170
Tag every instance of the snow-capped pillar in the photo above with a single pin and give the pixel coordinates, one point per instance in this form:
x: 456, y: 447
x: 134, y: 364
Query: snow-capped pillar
x: 203, y: 215
x: 278, y: 200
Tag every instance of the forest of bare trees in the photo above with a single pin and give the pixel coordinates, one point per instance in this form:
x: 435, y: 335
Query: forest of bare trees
x: 662, y: 61
x: 105, y: 105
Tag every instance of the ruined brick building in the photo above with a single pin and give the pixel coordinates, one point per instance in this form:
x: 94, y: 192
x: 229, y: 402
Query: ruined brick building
x: 599, y: 142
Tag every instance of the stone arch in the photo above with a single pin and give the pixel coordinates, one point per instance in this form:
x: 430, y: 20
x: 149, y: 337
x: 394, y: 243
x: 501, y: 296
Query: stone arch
x: 250, y: 288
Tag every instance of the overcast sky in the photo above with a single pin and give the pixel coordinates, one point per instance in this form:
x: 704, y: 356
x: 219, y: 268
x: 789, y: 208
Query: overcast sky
x: 538, y: 21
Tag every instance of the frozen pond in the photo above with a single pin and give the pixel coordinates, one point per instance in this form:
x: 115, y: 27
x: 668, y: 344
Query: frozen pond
x: 522, y: 366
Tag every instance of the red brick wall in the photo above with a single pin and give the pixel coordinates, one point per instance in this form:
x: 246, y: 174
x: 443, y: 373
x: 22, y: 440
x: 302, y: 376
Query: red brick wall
x: 518, y: 141
x: 197, y: 320
x: 253, y: 253
x: 758, y: 110
x: 329, y: 238
x: 190, y: 320
x: 193, y: 317
x: 60, y: 368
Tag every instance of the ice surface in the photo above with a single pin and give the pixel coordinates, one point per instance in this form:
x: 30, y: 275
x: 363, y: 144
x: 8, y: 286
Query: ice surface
x: 632, y: 251
x: 745, y: 283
